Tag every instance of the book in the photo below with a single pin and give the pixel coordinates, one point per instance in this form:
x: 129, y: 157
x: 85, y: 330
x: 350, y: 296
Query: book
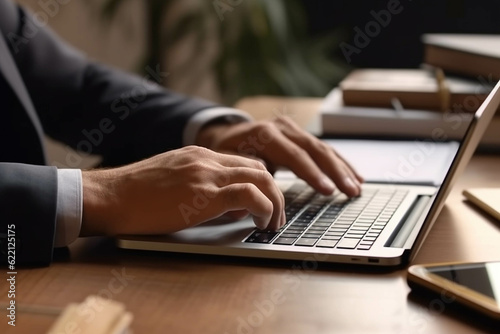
x: 338, y: 120
x: 465, y: 54
x: 412, y: 88
x: 487, y: 199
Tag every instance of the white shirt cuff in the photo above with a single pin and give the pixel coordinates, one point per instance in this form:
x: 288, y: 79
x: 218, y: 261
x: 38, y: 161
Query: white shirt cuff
x: 195, y: 123
x: 69, y: 206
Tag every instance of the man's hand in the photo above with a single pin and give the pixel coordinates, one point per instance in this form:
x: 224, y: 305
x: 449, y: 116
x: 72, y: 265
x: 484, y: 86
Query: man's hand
x: 283, y: 143
x: 176, y: 190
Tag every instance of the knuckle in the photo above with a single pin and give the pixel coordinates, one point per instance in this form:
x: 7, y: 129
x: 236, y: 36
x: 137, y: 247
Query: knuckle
x: 238, y: 193
x: 265, y: 176
x: 323, y: 147
x: 193, y: 148
x: 282, y: 119
x: 265, y: 127
x: 285, y: 121
x: 194, y: 153
x: 260, y: 165
x: 211, y: 192
x: 247, y: 188
x: 200, y: 151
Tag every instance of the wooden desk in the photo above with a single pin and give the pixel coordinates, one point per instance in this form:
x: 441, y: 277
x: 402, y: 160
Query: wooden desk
x: 177, y: 293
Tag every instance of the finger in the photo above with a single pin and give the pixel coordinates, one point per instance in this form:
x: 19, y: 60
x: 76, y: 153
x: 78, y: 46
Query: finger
x: 265, y: 183
x: 335, y: 167
x: 284, y: 152
x: 358, y: 176
x: 246, y: 196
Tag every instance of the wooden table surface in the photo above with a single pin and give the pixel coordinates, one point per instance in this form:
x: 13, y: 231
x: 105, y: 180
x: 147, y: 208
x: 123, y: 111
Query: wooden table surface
x: 179, y: 293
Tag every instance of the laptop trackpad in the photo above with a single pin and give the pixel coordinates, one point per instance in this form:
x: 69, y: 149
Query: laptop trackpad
x: 216, y: 232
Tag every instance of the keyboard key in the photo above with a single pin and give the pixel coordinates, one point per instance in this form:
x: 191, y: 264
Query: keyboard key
x: 300, y: 224
x: 309, y: 242
x: 301, y: 219
x: 364, y: 247
x: 367, y: 226
x: 261, y: 237
x: 360, y: 229
x: 312, y: 235
x: 327, y: 243
x: 344, y: 221
x: 284, y: 241
x: 349, y: 216
x: 336, y: 227
x: 317, y: 228
x: 331, y: 237
x: 354, y: 234
x: 320, y: 223
x: 295, y: 229
x: 367, y: 217
x: 365, y: 220
x: 366, y: 243
x: 348, y: 243
x: 289, y: 235
x: 334, y: 234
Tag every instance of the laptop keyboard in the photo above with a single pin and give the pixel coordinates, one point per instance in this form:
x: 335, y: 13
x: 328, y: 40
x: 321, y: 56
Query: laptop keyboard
x: 336, y: 221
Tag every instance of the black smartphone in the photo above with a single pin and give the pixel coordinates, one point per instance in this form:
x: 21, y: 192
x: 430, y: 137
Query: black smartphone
x: 475, y: 285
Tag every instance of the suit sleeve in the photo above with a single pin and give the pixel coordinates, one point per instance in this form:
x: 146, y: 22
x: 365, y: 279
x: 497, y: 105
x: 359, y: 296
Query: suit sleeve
x: 90, y: 106
x: 28, y: 204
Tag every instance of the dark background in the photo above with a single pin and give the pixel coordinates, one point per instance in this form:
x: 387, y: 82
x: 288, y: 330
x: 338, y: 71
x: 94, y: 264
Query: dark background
x: 398, y: 45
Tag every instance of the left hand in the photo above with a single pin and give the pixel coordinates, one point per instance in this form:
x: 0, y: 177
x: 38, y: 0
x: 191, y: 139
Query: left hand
x: 282, y: 143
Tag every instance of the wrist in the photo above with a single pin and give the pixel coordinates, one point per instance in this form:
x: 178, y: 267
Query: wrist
x: 97, y: 211
x: 208, y: 135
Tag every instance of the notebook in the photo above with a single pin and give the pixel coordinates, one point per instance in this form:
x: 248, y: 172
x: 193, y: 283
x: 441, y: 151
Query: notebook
x: 385, y: 226
x: 488, y: 199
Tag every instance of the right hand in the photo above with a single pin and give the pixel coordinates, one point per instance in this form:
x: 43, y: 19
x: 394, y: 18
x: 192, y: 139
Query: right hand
x: 176, y: 190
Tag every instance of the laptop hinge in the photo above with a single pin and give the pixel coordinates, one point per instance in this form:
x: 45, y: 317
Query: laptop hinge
x: 407, y: 224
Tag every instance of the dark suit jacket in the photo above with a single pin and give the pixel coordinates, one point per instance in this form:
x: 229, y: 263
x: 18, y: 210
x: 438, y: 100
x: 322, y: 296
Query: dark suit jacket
x: 47, y: 87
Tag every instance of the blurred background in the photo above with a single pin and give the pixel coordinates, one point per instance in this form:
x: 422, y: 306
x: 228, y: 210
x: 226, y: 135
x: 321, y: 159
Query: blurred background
x: 224, y: 50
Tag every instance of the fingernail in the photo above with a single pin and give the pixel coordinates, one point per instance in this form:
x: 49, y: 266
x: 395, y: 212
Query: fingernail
x: 327, y: 184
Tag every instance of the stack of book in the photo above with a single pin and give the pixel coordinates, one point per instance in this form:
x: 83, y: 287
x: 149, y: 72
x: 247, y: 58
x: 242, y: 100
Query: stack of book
x: 437, y: 100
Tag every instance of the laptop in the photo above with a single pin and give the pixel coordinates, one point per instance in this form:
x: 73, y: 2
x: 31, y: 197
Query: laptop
x: 385, y: 226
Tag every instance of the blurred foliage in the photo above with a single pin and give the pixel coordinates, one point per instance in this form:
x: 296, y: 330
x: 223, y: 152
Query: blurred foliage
x: 264, y: 46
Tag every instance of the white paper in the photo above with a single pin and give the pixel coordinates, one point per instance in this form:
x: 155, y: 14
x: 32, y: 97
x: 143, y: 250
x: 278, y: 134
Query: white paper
x: 401, y: 162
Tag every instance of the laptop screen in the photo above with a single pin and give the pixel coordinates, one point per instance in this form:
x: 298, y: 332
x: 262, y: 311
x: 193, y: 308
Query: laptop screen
x: 477, y: 127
